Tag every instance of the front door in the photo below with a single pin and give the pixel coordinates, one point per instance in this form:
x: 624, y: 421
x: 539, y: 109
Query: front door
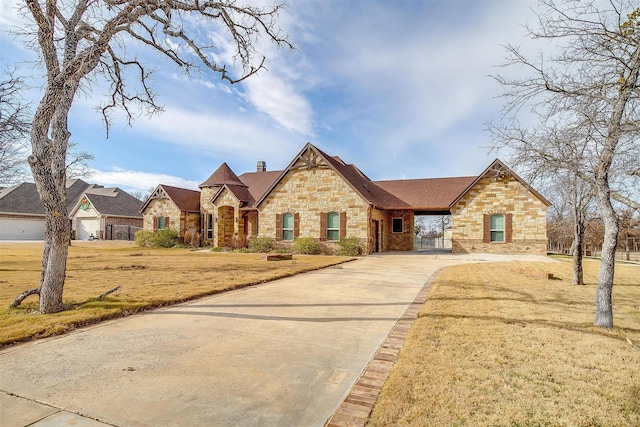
x: 226, y: 224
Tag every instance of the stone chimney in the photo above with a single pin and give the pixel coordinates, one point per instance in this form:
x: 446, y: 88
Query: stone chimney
x: 262, y: 166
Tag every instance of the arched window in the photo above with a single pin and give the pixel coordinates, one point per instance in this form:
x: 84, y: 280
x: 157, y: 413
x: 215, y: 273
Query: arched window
x: 333, y: 226
x: 287, y: 226
x: 497, y: 228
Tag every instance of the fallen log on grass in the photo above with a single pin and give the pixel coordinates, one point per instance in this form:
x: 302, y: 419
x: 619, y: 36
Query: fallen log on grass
x: 109, y: 292
x: 25, y: 294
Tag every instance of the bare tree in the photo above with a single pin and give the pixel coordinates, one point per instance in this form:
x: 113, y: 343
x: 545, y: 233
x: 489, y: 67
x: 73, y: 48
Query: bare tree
x: 584, y: 94
x: 83, y: 41
x: 14, y: 129
x: 629, y: 229
x: 580, y: 196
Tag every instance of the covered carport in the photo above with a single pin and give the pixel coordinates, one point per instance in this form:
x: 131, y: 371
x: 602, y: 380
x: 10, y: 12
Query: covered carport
x: 431, y: 200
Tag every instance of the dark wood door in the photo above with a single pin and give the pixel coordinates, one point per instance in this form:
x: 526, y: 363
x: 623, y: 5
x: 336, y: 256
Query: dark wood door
x: 376, y: 236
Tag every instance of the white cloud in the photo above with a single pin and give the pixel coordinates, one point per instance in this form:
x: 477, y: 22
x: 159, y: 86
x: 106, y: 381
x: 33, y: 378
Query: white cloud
x: 136, y: 180
x: 10, y: 14
x: 383, y: 84
x: 216, y: 133
x: 280, y: 101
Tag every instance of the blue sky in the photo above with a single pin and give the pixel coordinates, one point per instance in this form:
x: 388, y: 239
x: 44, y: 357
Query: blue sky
x: 399, y: 88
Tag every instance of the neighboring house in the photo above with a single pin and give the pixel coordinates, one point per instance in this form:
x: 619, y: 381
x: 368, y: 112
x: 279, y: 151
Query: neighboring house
x: 173, y: 207
x: 22, y: 214
x: 106, y: 213
x: 321, y: 196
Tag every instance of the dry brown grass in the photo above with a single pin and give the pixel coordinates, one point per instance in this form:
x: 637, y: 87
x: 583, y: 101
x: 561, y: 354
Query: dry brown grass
x: 494, y: 347
x: 149, y: 278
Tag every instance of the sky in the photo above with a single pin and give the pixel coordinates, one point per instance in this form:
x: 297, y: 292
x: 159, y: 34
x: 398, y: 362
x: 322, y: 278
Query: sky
x: 401, y: 89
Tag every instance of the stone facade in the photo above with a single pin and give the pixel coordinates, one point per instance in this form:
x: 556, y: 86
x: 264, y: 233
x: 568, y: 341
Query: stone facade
x: 228, y: 229
x: 162, y: 208
x: 186, y: 223
x: 504, y: 195
x: 378, y: 213
x: 209, y: 212
x: 309, y: 193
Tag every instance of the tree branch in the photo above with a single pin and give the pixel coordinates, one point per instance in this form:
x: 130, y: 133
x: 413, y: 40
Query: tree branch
x: 23, y: 296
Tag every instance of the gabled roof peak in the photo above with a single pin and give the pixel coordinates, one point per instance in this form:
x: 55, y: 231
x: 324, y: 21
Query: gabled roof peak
x: 222, y: 175
x: 496, y: 170
x: 185, y: 199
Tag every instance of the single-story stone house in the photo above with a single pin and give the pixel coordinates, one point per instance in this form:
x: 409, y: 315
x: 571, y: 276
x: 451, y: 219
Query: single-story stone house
x: 321, y: 196
x: 105, y: 213
x: 173, y: 207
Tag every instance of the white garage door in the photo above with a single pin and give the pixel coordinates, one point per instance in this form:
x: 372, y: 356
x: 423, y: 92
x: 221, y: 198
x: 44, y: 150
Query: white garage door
x: 21, y: 229
x: 86, y: 227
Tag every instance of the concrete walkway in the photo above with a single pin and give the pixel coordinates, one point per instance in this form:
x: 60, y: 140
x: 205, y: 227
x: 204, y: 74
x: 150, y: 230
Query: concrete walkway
x: 285, y: 353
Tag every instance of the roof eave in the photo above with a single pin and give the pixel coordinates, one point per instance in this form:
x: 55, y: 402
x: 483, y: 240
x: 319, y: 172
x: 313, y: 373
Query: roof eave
x: 22, y: 214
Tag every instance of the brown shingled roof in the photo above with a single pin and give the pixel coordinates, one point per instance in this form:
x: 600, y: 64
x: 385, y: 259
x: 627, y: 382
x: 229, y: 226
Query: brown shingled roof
x: 185, y: 200
x: 378, y: 195
x: 222, y: 175
x: 241, y: 192
x: 430, y: 194
x: 435, y: 195
x: 371, y: 192
x: 259, y: 182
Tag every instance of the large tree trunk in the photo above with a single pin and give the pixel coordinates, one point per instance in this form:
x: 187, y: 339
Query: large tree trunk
x: 604, y: 310
x: 54, y: 263
x: 49, y: 141
x: 52, y: 190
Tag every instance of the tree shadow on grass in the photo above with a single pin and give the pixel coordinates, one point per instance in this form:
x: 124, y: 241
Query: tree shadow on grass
x: 567, y: 326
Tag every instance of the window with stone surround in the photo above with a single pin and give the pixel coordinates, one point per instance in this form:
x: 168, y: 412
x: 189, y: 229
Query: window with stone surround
x: 287, y: 226
x: 397, y: 225
x: 161, y: 222
x: 333, y: 226
x: 497, y: 228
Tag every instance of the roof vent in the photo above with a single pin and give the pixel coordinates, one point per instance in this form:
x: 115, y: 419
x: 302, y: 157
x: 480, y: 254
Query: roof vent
x: 262, y: 166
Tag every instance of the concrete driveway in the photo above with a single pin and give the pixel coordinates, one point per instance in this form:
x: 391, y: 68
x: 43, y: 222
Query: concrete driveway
x: 285, y: 353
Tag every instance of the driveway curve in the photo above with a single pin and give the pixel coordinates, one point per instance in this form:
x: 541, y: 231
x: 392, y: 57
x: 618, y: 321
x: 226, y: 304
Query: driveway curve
x: 285, y: 353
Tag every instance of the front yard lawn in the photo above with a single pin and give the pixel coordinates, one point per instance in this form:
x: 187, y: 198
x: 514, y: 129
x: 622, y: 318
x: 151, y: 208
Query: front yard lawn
x: 148, y: 278
x: 496, y: 347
